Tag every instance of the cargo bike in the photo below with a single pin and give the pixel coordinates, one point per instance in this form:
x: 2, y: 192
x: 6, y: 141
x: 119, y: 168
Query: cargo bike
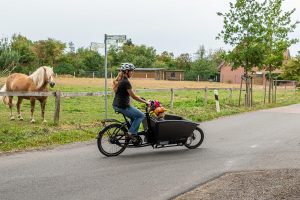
x: 173, y: 130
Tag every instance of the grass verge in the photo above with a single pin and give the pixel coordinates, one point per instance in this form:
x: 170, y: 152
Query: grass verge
x: 80, y: 117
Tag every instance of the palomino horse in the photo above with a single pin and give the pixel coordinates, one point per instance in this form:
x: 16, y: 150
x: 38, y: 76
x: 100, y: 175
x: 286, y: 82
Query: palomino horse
x: 36, y: 82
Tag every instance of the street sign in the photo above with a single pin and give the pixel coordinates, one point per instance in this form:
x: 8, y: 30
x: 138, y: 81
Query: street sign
x: 95, y: 46
x: 119, y: 38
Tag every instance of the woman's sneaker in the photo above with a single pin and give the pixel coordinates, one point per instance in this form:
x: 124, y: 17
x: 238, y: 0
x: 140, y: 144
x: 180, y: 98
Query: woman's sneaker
x: 131, y: 138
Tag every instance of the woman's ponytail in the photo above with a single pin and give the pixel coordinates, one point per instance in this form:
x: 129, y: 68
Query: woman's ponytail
x: 116, y: 82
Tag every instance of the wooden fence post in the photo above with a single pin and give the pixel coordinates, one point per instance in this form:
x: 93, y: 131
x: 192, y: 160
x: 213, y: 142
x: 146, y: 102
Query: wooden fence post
x: 275, y: 97
x: 205, y: 95
x: 284, y: 89
x: 57, y: 107
x: 230, y: 95
x: 172, y: 98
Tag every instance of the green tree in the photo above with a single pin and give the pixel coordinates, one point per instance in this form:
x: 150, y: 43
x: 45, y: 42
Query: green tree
x: 9, y: 58
x: 139, y: 55
x: 48, y: 51
x: 71, y: 47
x: 83, y: 62
x: 113, y: 57
x: 24, y: 47
x: 183, y: 61
x: 205, y: 66
x: 243, y: 30
x: 200, y: 67
x: 291, y: 69
x: 200, y: 54
x: 160, y: 64
x: 64, y: 68
x: 167, y: 58
x: 93, y: 61
x: 277, y: 26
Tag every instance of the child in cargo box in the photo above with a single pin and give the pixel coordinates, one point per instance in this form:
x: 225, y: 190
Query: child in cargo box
x: 157, y: 111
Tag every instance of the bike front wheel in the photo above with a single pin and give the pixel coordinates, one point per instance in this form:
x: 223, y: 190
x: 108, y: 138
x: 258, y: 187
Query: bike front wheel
x: 112, y: 140
x: 196, y: 139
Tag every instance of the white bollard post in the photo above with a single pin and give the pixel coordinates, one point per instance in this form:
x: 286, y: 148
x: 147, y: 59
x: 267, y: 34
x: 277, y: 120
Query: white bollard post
x: 74, y: 74
x: 217, y: 100
x: 93, y: 74
x: 146, y: 75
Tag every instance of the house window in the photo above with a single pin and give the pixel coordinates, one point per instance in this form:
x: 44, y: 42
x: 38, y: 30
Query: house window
x: 173, y: 75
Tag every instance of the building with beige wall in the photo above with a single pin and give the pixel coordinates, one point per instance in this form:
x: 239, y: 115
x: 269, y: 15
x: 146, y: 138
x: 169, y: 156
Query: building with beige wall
x: 159, y: 74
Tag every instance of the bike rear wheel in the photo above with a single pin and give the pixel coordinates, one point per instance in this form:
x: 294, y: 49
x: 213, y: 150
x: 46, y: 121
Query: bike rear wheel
x: 112, y: 140
x: 196, y: 139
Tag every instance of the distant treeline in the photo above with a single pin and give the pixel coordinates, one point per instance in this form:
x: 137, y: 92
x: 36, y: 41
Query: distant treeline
x: 20, y: 54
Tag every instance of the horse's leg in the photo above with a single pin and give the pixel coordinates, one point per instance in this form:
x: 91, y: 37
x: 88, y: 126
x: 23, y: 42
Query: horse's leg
x: 19, y: 108
x: 10, y: 104
x: 32, y: 104
x: 43, y: 104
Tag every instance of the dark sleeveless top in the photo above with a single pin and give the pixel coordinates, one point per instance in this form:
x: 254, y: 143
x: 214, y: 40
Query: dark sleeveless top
x: 122, y: 98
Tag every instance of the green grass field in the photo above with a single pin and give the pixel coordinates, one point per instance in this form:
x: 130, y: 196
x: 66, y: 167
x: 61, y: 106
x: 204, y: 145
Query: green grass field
x: 80, y: 117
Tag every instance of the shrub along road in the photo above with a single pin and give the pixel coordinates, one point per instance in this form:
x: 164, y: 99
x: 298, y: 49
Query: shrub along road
x: 267, y: 139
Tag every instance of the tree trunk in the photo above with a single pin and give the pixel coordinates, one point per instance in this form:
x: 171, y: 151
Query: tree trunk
x: 241, y: 87
x: 265, y: 90
x: 251, y: 91
x: 270, y: 87
x: 247, y: 91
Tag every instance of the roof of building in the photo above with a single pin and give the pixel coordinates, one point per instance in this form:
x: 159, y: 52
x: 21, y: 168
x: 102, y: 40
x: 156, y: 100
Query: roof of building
x: 158, y: 69
x: 175, y: 70
x: 149, y: 69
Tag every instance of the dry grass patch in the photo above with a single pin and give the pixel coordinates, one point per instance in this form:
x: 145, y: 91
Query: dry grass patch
x: 143, y: 83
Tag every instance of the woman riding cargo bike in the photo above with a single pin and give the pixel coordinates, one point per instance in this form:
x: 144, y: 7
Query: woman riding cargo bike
x: 171, y: 131
x: 123, y: 91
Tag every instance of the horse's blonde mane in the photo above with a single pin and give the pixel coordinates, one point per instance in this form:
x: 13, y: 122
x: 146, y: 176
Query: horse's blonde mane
x: 38, y: 77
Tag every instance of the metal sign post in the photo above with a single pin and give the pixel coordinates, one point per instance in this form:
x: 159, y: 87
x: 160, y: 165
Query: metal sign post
x: 105, y: 74
x: 119, y: 39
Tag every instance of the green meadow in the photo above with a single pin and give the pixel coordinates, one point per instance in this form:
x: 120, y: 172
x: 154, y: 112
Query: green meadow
x: 80, y: 117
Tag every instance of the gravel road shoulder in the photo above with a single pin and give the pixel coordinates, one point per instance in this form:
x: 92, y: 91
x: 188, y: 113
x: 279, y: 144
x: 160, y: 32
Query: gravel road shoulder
x: 262, y: 184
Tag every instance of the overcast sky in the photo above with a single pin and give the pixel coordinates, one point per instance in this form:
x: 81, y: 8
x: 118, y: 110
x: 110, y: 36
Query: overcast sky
x: 178, y: 26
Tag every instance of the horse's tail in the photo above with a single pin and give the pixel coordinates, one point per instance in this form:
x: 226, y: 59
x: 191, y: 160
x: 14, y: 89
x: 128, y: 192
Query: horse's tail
x: 4, y: 98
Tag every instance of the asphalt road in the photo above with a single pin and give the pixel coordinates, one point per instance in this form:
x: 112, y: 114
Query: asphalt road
x: 268, y: 139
